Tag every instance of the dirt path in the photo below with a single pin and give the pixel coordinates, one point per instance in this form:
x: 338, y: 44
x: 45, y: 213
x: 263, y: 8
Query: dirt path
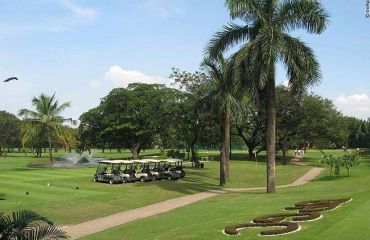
x: 101, y: 224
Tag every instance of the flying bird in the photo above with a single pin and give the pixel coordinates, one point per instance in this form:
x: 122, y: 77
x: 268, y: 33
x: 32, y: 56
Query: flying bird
x: 10, y: 79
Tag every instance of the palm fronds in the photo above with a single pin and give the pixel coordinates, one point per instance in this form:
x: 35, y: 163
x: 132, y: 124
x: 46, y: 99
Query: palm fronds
x: 28, y: 225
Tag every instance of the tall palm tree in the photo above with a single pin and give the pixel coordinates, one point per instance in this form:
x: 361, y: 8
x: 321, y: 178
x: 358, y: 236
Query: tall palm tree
x: 265, y: 41
x: 219, y: 95
x: 45, y: 123
x: 25, y: 224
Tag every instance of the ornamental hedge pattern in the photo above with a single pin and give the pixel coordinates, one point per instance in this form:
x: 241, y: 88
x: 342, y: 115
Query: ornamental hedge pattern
x: 305, y: 211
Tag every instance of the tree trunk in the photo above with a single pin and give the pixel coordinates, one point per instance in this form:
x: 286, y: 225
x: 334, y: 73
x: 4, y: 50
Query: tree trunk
x: 192, y: 147
x: 230, y: 149
x: 225, y: 145
x: 50, y: 152
x: 250, y: 153
x: 284, y: 150
x: 135, y: 151
x: 270, y: 132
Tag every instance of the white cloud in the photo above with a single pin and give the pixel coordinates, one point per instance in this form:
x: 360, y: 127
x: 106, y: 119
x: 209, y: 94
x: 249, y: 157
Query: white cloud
x: 122, y: 77
x: 82, y: 12
x: 73, y: 17
x: 162, y: 8
x: 95, y: 84
x: 357, y: 105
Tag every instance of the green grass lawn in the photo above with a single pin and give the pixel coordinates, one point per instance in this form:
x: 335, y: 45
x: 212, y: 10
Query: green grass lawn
x: 206, y: 219
x: 64, y: 204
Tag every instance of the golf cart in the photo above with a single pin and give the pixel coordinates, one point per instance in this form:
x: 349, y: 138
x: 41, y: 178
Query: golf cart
x: 156, y: 169
x: 142, y: 172
x: 126, y: 171
x: 169, y: 171
x: 108, y: 171
x: 176, y: 166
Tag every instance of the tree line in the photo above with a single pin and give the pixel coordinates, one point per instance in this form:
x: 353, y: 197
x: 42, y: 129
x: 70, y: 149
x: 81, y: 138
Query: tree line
x: 144, y: 116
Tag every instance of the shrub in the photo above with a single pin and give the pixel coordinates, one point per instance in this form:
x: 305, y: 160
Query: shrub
x: 336, y: 162
x: 175, y: 154
x: 307, y: 211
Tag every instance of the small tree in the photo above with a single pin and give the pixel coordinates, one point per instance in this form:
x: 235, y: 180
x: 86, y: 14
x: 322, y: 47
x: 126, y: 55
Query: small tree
x: 349, y: 160
x: 336, y: 162
x: 45, y: 123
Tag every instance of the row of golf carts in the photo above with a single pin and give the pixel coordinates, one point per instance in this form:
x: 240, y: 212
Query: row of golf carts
x: 124, y: 171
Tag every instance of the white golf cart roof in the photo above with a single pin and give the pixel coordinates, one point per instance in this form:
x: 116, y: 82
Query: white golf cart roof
x: 154, y: 160
x: 141, y: 161
x: 107, y: 161
x: 123, y: 161
x: 172, y: 160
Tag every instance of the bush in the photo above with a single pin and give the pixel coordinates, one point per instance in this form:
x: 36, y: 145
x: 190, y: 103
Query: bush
x: 175, y: 154
x: 347, y: 161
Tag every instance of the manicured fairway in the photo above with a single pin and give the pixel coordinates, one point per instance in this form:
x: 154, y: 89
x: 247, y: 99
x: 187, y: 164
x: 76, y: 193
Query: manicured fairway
x: 65, y: 204
x: 206, y: 219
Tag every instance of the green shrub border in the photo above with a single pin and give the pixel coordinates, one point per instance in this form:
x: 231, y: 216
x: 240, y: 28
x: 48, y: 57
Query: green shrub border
x: 307, y: 211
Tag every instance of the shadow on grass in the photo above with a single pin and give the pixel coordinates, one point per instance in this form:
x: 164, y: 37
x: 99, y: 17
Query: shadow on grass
x: 331, y: 178
x: 196, y: 180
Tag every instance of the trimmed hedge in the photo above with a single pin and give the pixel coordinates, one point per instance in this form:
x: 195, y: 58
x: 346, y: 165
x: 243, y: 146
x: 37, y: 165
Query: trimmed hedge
x: 288, y: 227
x: 318, y: 205
x: 307, y: 211
x: 296, y: 217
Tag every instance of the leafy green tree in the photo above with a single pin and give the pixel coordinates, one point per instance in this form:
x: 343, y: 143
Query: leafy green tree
x: 251, y: 128
x: 90, y: 129
x: 191, y: 121
x: 266, y: 41
x: 127, y: 114
x: 25, y: 224
x: 9, y: 131
x: 362, y: 135
x: 45, y: 122
x: 289, y: 118
x: 353, y: 125
x: 322, y: 124
x: 137, y: 117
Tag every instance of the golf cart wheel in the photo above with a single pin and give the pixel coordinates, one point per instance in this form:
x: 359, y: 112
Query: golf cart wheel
x: 124, y: 180
x: 142, y: 179
x: 155, y: 178
x: 169, y: 178
x: 111, y: 181
x: 95, y: 180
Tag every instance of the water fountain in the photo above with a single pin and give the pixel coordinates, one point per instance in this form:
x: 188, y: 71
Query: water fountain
x: 77, y: 159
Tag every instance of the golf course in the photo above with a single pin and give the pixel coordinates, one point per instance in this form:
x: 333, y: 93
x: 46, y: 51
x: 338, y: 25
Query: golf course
x: 184, y: 120
x: 53, y: 192
x: 69, y: 196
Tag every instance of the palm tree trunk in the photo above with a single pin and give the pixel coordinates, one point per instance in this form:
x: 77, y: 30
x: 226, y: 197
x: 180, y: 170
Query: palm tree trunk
x: 225, y: 145
x: 270, y: 132
x: 50, y: 152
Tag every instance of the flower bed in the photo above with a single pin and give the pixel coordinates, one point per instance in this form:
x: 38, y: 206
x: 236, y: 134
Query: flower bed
x: 307, y: 211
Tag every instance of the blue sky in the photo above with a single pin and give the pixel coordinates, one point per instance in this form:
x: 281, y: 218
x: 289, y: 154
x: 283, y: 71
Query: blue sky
x: 81, y: 49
